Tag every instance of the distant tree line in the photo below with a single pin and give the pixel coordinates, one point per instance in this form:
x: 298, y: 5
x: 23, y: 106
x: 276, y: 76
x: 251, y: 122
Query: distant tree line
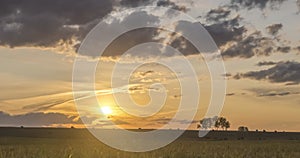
x: 214, y: 122
x: 221, y: 122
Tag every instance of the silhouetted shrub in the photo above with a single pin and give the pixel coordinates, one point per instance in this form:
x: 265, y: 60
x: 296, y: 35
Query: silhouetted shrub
x: 243, y: 129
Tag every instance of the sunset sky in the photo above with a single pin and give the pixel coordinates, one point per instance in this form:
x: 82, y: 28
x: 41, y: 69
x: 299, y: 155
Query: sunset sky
x: 259, y: 42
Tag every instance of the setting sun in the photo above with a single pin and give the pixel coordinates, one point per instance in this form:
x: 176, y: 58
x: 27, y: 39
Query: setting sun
x: 106, y: 110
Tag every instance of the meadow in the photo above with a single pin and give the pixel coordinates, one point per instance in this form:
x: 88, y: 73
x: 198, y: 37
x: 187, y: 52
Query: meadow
x: 78, y: 143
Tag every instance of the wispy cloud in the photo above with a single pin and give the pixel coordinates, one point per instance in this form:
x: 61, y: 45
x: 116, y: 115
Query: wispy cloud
x: 44, y: 103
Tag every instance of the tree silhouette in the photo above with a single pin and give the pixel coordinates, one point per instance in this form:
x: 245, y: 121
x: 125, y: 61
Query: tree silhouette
x: 227, y: 125
x: 217, y: 122
x: 223, y: 123
x: 243, y: 129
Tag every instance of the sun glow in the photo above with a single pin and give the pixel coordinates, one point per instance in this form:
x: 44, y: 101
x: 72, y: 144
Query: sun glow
x: 106, y: 110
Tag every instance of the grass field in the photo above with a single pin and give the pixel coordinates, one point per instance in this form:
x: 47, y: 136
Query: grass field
x: 75, y: 143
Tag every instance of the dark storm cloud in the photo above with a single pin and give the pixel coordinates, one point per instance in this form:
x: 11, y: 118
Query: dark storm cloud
x: 230, y: 36
x: 217, y: 14
x: 159, y: 3
x: 261, y: 4
x: 286, y: 49
x: 36, y: 119
x: 250, y: 4
x: 238, y: 41
x: 129, y: 39
x: 222, y: 30
x: 226, y: 31
x: 135, y: 3
x: 274, y: 29
x: 280, y: 73
x: 222, y: 27
x: 172, y: 5
x: 251, y: 45
x: 266, y: 63
x: 46, y: 22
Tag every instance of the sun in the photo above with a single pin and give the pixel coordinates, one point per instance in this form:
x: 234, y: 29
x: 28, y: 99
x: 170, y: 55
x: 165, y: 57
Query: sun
x: 106, y: 110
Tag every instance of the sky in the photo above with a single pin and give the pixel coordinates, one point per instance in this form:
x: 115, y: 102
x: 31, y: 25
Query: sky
x: 39, y: 43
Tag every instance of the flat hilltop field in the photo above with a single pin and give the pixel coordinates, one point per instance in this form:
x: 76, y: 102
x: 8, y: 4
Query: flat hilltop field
x: 79, y: 143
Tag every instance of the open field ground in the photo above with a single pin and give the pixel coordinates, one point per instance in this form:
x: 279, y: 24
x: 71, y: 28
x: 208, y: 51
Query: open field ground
x: 78, y: 143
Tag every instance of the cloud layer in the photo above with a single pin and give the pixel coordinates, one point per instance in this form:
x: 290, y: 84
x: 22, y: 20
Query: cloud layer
x: 37, y: 119
x: 282, y: 72
x: 250, y: 4
x: 45, y: 23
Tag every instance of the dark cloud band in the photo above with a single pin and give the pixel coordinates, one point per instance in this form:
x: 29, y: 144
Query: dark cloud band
x: 46, y: 22
x: 282, y: 72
